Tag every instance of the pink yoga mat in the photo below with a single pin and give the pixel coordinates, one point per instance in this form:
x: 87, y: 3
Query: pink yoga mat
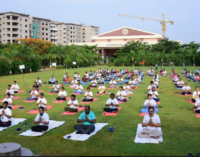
x: 73, y: 113
x: 29, y: 101
x: 186, y: 95
x: 15, y: 106
x: 157, y: 88
x: 122, y: 102
x: 20, y: 91
x: 94, y: 99
x: 78, y: 93
x: 134, y: 88
x: 158, y: 102
x: 197, y: 115
x: 113, y: 88
x: 102, y: 94
x: 16, y: 97
x: 60, y: 101
x: 40, y: 91
x: 111, y: 114
x: 72, y: 87
x: 191, y: 101
x: 144, y: 114
x: 36, y: 111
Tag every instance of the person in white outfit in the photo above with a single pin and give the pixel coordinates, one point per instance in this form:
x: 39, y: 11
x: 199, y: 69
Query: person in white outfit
x: 15, y: 87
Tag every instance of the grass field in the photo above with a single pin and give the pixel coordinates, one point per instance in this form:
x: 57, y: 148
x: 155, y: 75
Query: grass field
x: 180, y: 127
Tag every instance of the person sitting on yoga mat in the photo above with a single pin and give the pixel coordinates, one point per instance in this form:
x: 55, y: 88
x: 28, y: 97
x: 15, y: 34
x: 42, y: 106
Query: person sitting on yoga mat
x: 179, y: 83
x: 52, y: 80
x: 127, y: 89
x: 156, y: 74
x: 186, y: 89
x: 42, y: 119
x: 137, y: 80
x: 121, y: 95
x: 55, y: 87
x: 67, y: 80
x: 197, y: 71
x: 74, y: 83
x: 84, y: 79
x: 120, y: 80
x: 88, y: 96
x: 101, y: 80
x: 94, y: 74
x: 192, y: 75
x: 155, y: 83
x: 112, y: 102
x: 195, y: 95
x: 9, y: 100
x: 151, y: 73
x: 62, y: 94
x: 93, y: 83
x: 188, y: 74
x: 126, y: 71
x: 38, y: 81
x: 108, y: 77
x: 132, y: 83
x: 90, y: 77
x: 41, y: 102
x: 115, y: 70
x: 79, y: 89
x: 127, y: 76
x: 154, y: 94
x: 164, y: 73
x: 155, y: 78
x: 10, y: 91
x: 150, y: 86
x: 5, y: 114
x: 65, y: 76
x: 36, y: 87
x: 73, y: 104
x: 112, y: 83
x: 89, y: 119
x: 15, y: 87
x: 86, y: 75
x: 91, y: 73
x: 101, y: 89
x: 196, y: 78
x: 75, y: 74
x: 33, y: 94
x: 197, y: 106
x: 149, y: 102
x: 78, y: 77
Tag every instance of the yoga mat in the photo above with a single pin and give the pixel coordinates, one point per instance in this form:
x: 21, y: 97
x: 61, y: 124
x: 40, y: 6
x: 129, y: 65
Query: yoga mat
x: 72, y: 87
x: 178, y: 88
x: 29, y: 101
x: 122, y: 102
x: 197, y: 115
x: 36, y: 111
x: 16, y: 97
x: 113, y: 88
x: 73, y: 113
x: 61, y: 101
x: 186, y: 95
x: 94, y: 99
x: 147, y: 140
x: 15, y: 106
x: 110, y: 113
x: 84, y: 137
x: 78, y: 93
x: 144, y: 114
x: 158, y: 102
x: 191, y: 101
x: 103, y: 93
x: 20, y: 91
x: 157, y: 88
x: 40, y: 91
x: 52, y: 124
x: 134, y: 88
x: 15, y: 121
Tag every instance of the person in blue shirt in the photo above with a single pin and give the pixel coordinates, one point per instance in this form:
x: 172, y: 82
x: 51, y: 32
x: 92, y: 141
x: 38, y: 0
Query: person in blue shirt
x: 52, y: 80
x: 89, y: 119
x: 90, y: 72
x: 94, y: 74
x: 107, y: 77
x: 192, y: 75
x: 197, y: 71
x: 127, y: 76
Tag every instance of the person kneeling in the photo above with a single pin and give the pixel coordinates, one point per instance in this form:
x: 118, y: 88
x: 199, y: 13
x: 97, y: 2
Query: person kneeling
x: 88, y: 118
x: 186, y: 89
x: 88, y: 96
x: 43, y: 120
x: 112, y: 103
x: 73, y: 104
x: 150, y: 120
x: 5, y: 114
x: 121, y: 95
x: 62, y: 94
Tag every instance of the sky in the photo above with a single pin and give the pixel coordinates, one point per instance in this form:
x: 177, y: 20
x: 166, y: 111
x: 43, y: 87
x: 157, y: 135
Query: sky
x: 104, y: 14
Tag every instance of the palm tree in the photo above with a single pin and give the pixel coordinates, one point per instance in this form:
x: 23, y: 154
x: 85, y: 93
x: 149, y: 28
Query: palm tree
x: 132, y: 55
x: 183, y: 53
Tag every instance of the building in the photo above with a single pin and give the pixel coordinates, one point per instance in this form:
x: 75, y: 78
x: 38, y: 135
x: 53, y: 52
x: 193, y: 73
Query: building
x: 114, y: 40
x: 15, y: 25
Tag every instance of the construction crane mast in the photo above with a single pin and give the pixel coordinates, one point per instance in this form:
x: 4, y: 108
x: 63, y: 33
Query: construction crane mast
x: 152, y: 19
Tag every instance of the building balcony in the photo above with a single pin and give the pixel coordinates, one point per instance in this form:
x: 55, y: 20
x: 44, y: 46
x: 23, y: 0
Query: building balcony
x: 54, y: 38
x: 54, y: 29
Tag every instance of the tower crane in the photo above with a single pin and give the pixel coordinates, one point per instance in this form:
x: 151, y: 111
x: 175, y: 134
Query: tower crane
x: 152, y: 19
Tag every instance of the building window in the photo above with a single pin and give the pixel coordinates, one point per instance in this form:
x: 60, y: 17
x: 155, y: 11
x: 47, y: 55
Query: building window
x: 46, y: 38
x: 42, y: 33
x: 43, y: 38
x: 42, y: 23
x: 42, y: 28
x: 25, y: 25
x: 25, y: 36
x: 25, y: 20
x: 25, y: 31
x: 46, y: 29
x: 64, y: 41
x: 46, y: 24
x: 71, y: 41
x: 46, y: 33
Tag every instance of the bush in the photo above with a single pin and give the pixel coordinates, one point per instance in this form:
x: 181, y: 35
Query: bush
x: 188, y: 62
x: 60, y: 67
x: 15, y: 68
x: 178, y: 61
x: 118, y: 62
x: 36, y: 64
x: 4, y: 67
x: 110, y: 64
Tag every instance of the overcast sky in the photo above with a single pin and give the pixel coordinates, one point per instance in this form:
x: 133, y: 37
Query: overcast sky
x: 104, y: 13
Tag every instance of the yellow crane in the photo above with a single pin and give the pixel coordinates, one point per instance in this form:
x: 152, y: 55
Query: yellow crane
x: 152, y: 19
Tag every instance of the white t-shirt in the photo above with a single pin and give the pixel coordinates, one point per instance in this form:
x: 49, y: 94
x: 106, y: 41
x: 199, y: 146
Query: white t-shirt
x: 38, y: 81
x: 152, y: 93
x: 150, y: 87
x: 152, y: 102
x: 186, y: 88
x: 45, y: 118
x: 114, y: 101
x: 155, y: 119
x: 197, y: 104
x: 90, y: 94
x: 78, y: 77
x: 43, y: 100
x: 7, y: 112
x: 79, y: 88
x: 122, y: 93
x: 65, y: 76
x: 155, y: 83
x: 195, y: 93
x: 10, y: 91
x: 57, y: 87
x: 91, y: 77
x: 127, y: 88
x: 86, y: 75
x: 102, y: 88
x: 9, y: 100
x: 35, y: 93
x: 180, y: 83
x: 164, y: 72
x: 120, y: 80
x: 75, y: 75
x: 94, y: 82
x: 74, y: 82
x: 132, y: 82
x: 15, y: 86
x: 137, y: 80
x: 75, y: 102
x: 112, y: 82
x: 63, y: 93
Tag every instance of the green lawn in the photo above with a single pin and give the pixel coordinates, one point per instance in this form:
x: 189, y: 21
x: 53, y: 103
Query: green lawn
x: 179, y: 125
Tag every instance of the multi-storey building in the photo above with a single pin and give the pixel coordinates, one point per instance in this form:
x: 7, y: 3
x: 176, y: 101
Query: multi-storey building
x: 15, y: 25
